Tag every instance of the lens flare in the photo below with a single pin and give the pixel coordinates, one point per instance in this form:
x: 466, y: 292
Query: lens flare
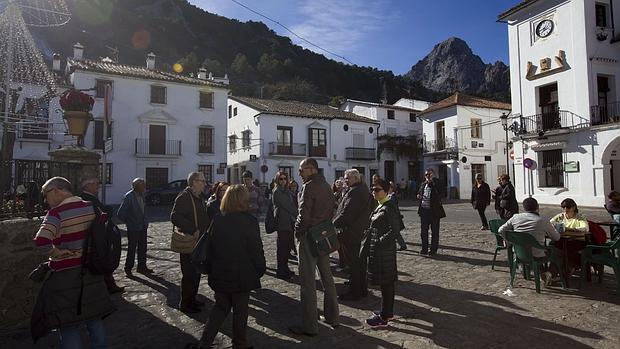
x: 178, y: 68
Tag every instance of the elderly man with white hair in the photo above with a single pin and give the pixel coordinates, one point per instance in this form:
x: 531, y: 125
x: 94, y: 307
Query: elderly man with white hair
x: 353, y: 218
x: 132, y: 213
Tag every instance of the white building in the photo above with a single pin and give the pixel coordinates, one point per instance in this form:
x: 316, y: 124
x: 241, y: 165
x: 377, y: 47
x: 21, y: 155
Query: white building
x: 463, y: 136
x: 400, y: 123
x: 565, y: 80
x: 266, y: 136
x: 164, y: 125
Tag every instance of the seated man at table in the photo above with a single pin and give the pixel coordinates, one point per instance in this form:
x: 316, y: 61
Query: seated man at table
x: 530, y: 222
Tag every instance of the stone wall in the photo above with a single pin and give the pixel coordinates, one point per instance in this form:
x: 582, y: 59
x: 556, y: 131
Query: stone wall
x: 19, y: 258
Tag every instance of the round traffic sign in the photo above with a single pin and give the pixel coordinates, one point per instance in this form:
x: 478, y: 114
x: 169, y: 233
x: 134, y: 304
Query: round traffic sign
x: 264, y: 168
x: 528, y: 163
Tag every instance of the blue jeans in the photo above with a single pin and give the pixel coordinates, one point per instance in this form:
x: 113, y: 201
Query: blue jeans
x: 70, y: 336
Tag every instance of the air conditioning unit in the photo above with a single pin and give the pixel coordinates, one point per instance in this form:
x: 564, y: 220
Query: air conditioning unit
x: 474, y: 144
x: 480, y: 145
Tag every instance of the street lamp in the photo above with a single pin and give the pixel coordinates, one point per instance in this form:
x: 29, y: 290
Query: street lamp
x: 504, y: 119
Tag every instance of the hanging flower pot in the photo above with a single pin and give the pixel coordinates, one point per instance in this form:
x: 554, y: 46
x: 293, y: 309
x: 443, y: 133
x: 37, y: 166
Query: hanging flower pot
x: 77, y: 106
x: 77, y: 122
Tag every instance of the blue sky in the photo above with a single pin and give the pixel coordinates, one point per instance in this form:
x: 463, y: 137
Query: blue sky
x: 386, y: 34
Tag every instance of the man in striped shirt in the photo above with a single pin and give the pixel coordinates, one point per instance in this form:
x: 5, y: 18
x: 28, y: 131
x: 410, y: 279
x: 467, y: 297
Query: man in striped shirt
x: 61, y: 237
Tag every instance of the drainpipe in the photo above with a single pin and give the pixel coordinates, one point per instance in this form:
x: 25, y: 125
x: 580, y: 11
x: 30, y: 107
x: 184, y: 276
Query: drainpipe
x: 611, y: 11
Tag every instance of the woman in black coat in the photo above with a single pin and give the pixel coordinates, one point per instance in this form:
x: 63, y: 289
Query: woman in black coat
x: 381, y: 244
x: 237, y: 262
x: 480, y: 199
x: 508, y: 199
x: 285, y: 213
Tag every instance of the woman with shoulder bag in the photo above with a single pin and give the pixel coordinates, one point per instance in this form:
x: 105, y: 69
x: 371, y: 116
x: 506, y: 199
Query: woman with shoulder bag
x: 237, y: 262
x: 189, y: 216
x: 285, y: 213
x: 508, y: 199
x: 381, y: 247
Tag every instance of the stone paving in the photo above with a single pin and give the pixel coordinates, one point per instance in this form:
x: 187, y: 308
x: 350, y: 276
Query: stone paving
x: 453, y: 300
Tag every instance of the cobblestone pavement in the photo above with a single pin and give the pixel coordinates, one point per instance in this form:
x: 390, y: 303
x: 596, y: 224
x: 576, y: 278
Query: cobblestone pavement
x: 453, y: 300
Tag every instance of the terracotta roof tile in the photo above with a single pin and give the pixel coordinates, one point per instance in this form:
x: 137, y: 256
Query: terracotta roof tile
x: 137, y: 71
x: 300, y: 109
x: 463, y: 99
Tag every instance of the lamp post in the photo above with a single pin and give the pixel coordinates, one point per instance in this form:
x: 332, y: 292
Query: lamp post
x: 504, y: 119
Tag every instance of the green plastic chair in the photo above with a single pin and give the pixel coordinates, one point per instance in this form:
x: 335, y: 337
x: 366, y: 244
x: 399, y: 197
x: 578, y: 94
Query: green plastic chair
x: 607, y: 254
x: 494, y: 225
x: 522, y: 244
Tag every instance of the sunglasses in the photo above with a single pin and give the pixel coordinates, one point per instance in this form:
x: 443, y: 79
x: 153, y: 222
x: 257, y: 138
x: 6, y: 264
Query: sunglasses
x: 427, y: 174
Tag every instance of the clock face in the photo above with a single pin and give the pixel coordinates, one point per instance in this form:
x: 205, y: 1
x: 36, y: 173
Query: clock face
x: 544, y: 28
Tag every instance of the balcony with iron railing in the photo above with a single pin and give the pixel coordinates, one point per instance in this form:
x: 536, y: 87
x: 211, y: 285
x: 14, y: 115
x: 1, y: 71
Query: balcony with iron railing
x: 605, y: 114
x: 549, y: 121
x: 291, y: 149
x: 147, y: 147
x: 360, y: 153
x: 440, y: 145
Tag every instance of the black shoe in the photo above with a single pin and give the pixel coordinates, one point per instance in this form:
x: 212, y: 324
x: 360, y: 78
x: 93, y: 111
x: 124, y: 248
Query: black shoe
x: 324, y: 320
x: 432, y: 253
x: 144, y: 270
x: 116, y: 289
x: 285, y: 276
x: 349, y: 297
x: 423, y: 252
x: 298, y: 330
x: 198, y: 304
x: 189, y: 310
x: 484, y: 228
x: 402, y: 247
x: 128, y: 273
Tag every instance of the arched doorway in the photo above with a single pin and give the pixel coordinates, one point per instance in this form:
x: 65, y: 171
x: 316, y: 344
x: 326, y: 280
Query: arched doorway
x: 611, y: 165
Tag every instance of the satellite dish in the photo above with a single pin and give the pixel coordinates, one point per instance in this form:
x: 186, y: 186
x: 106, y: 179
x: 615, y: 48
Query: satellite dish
x: 464, y: 159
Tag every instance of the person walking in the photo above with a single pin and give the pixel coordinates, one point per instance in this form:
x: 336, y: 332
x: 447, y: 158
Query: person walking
x: 71, y: 296
x: 316, y: 204
x: 132, y: 213
x: 189, y: 216
x: 508, y: 200
x: 237, y: 262
x: 430, y: 211
x: 480, y: 199
x: 351, y: 219
x: 285, y: 213
x: 381, y: 246
x: 497, y: 193
x: 90, y: 191
x: 256, y: 197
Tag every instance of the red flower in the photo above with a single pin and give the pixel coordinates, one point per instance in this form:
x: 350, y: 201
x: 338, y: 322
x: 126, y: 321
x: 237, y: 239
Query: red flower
x: 74, y: 100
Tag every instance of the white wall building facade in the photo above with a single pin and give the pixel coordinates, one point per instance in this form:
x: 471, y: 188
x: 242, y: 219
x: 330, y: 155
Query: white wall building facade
x: 565, y: 80
x: 266, y: 136
x: 463, y: 136
x: 164, y: 125
x: 397, y: 120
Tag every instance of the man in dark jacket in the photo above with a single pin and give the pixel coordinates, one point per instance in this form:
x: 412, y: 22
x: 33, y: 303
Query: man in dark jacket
x: 430, y: 211
x: 480, y: 199
x: 132, y: 213
x: 316, y: 205
x: 90, y: 190
x: 352, y: 218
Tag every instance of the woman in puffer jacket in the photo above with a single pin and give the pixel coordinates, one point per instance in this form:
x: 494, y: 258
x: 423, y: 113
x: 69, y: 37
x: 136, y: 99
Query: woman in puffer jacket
x: 381, y: 244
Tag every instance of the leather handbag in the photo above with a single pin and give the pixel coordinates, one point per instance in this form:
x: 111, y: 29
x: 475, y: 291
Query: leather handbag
x: 322, y: 239
x: 184, y: 243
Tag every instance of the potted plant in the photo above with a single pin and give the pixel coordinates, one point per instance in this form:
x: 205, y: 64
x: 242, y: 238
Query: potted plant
x: 76, y: 106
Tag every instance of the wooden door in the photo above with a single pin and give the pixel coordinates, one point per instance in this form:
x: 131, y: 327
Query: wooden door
x: 157, y: 139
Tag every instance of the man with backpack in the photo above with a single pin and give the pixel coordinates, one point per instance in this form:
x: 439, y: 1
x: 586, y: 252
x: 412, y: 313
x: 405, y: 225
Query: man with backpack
x: 71, y: 295
x: 90, y: 190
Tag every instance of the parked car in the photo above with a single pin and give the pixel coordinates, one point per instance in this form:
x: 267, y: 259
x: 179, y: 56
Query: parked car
x: 165, y: 194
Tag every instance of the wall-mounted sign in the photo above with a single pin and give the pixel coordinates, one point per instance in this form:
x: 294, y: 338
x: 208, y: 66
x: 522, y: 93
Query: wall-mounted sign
x: 252, y: 157
x: 571, y: 166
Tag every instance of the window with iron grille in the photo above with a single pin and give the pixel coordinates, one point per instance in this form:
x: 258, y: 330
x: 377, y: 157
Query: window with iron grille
x: 235, y: 111
x: 108, y: 174
x: 601, y: 15
x: 232, y: 143
x: 245, y: 139
x: 318, y: 142
x: 230, y: 111
x: 390, y: 114
x: 206, y: 100
x: 476, y: 128
x: 99, y: 141
x: 551, y: 168
x: 412, y: 117
x: 100, y: 87
x: 158, y: 94
x: 205, y: 140
x: 207, y: 171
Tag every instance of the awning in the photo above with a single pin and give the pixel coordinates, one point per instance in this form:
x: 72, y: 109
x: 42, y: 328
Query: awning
x: 548, y: 146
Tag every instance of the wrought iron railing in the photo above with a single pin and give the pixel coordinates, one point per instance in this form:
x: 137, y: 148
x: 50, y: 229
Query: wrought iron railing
x: 605, y: 114
x: 554, y: 120
x: 437, y: 145
x: 145, y: 146
x: 360, y: 153
x: 293, y: 149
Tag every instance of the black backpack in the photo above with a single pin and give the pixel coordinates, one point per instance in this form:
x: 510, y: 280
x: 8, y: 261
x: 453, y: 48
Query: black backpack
x: 102, y: 246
